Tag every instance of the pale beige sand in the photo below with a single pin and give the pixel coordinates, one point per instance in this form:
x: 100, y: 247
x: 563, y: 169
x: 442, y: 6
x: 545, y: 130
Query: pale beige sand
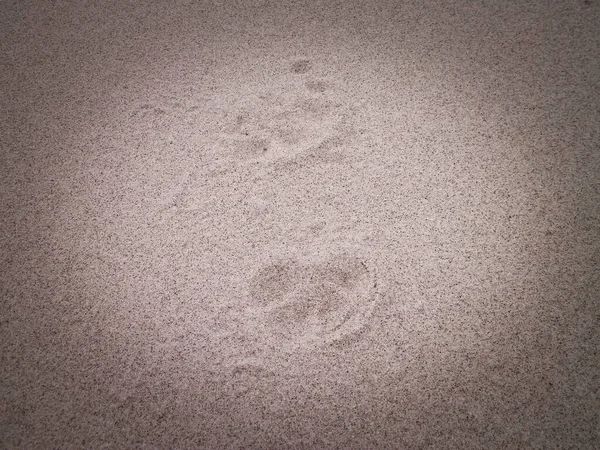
x: 315, y: 224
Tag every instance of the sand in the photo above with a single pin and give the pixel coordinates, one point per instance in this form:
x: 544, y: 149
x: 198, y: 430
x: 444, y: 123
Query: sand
x: 315, y: 224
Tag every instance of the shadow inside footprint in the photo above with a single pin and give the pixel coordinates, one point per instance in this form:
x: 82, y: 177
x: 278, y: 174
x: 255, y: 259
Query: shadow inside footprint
x: 317, y: 86
x: 301, y: 66
x: 272, y: 282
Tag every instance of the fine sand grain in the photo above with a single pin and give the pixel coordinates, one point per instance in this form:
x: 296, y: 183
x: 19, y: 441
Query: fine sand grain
x: 320, y: 224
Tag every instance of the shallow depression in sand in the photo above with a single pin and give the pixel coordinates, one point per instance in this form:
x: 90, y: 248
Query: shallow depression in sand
x: 299, y: 304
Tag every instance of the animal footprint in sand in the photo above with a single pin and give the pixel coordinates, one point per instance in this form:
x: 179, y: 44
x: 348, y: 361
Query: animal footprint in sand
x: 270, y: 127
x: 312, y: 304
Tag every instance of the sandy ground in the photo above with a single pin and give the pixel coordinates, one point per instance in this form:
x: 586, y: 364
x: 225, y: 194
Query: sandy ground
x: 317, y: 224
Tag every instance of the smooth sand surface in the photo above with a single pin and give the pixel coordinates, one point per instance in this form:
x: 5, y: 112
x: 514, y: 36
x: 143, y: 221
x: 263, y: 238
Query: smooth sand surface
x: 322, y: 224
